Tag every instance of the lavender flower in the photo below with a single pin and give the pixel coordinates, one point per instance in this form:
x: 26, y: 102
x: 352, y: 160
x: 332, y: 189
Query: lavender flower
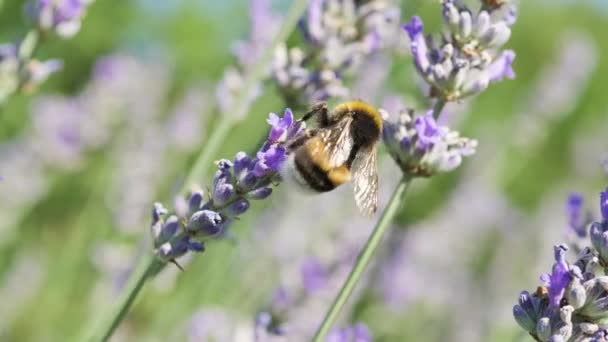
x: 422, y: 148
x: 235, y: 184
x: 339, y: 35
x: 467, y: 61
x: 557, y: 281
x: 63, y: 17
x: 572, y: 306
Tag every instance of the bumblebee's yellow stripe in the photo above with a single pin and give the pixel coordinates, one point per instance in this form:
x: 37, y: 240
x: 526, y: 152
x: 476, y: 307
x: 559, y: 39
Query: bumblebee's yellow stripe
x: 361, y: 107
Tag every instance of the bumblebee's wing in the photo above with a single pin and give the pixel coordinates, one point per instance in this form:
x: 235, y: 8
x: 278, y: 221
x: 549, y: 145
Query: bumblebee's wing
x: 337, y: 142
x: 365, y: 180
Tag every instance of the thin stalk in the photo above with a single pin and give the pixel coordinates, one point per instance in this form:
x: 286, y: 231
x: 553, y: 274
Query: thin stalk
x: 150, y: 265
x: 145, y: 268
x: 366, y: 255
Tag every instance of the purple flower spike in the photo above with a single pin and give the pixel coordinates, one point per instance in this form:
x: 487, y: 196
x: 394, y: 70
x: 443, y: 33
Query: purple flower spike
x: 418, y: 44
x: 558, y: 280
x: 234, y: 185
x: 604, y: 204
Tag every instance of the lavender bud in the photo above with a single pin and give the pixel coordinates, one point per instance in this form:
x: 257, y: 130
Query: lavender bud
x: 206, y: 223
x: 195, y: 201
x: 599, y: 239
x: 523, y: 319
x: 163, y: 232
x: 576, y: 295
x: 242, y: 164
x: 196, y: 246
x: 222, y: 192
x: 260, y: 193
x: 543, y: 329
x: 240, y: 206
x: 157, y: 212
x: 173, y: 249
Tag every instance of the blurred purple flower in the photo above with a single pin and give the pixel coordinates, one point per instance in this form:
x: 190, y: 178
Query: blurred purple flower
x: 314, y: 275
x: 60, y: 16
x: 264, y: 26
x: 339, y: 37
x: 355, y: 333
x: 578, y: 218
x: 502, y: 67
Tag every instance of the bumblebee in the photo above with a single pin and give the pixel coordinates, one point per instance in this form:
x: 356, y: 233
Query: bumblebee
x: 341, y: 148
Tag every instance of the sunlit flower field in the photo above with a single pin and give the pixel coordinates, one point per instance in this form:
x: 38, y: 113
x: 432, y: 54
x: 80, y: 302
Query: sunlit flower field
x: 304, y: 170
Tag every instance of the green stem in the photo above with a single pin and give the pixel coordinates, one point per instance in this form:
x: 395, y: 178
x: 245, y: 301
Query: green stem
x: 147, y: 266
x: 437, y: 108
x: 363, y: 259
x: 369, y: 249
x: 150, y: 265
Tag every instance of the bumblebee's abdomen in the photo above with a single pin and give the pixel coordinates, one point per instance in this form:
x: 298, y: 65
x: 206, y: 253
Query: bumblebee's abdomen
x: 312, y: 169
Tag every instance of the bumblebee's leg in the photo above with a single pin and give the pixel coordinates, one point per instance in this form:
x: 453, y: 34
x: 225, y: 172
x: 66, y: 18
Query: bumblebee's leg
x: 302, y: 139
x: 319, y: 109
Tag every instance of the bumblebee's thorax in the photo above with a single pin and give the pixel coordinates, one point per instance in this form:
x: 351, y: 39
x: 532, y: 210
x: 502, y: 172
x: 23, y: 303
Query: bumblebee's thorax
x: 367, y: 122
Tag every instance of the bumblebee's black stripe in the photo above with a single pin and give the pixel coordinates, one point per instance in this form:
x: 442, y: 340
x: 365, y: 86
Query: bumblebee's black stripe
x: 364, y: 129
x: 313, y: 175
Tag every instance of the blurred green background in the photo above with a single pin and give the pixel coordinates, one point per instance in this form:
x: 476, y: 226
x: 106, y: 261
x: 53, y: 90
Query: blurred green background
x: 62, y: 259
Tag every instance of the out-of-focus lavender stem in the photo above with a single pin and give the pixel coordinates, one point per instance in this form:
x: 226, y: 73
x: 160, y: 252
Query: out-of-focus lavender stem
x: 226, y: 122
x: 148, y: 266
x: 366, y: 255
